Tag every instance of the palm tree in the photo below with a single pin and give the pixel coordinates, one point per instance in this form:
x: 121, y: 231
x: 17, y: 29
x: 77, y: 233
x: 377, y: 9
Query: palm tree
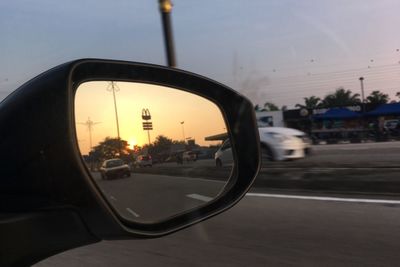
x: 377, y: 97
x: 341, y: 98
x: 311, y: 102
x: 268, y: 106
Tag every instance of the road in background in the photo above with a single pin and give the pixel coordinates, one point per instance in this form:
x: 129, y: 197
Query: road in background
x: 377, y: 154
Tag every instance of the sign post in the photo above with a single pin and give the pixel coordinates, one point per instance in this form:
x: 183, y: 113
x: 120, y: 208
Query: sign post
x: 147, y: 124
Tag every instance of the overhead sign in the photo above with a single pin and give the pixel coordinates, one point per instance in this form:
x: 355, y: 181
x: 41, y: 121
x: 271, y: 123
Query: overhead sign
x: 146, y: 114
x: 147, y: 125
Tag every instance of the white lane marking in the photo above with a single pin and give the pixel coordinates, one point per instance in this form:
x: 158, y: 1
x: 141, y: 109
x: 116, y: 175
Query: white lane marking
x: 354, y: 148
x: 337, y: 199
x: 184, y: 178
x: 200, y: 197
x: 113, y: 198
x: 132, y: 212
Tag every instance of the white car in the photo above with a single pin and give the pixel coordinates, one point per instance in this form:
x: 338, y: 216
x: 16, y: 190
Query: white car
x: 224, y: 156
x: 280, y: 143
x: 143, y: 161
x: 114, y: 168
x: 277, y: 144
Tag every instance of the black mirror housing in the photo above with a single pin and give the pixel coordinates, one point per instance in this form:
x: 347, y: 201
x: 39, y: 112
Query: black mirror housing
x: 43, y: 172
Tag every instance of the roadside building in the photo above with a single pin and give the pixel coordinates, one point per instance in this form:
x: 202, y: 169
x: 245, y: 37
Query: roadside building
x: 352, y: 123
x: 270, y: 118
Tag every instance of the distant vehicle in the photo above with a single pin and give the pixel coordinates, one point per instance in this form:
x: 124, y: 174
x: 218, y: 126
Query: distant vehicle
x: 392, y: 127
x: 391, y: 124
x: 114, y: 168
x: 189, y: 156
x: 280, y: 143
x: 143, y: 161
x: 223, y: 156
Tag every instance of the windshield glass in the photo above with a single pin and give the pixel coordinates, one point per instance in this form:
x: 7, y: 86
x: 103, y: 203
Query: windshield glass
x: 324, y: 78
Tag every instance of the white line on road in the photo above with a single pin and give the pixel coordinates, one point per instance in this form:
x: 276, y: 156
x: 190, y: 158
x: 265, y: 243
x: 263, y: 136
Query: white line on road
x: 338, y: 199
x: 113, y: 198
x: 132, y: 212
x: 355, y: 148
x: 200, y: 197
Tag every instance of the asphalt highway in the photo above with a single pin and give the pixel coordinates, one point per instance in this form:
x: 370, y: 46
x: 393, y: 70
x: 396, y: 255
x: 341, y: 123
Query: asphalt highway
x: 263, y: 231
x: 268, y: 227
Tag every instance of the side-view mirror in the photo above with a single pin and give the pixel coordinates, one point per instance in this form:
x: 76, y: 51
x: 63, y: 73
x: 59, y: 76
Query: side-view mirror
x: 99, y: 149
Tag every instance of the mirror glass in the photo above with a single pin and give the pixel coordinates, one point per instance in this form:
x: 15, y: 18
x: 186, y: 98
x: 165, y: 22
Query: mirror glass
x: 154, y: 151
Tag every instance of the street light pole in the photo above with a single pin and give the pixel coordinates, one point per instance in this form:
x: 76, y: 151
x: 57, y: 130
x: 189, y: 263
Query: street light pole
x: 362, y: 93
x: 113, y: 89
x: 183, y: 130
x: 165, y: 9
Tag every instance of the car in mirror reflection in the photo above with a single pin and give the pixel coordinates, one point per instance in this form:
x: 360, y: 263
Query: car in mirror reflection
x: 114, y: 168
x: 143, y: 161
x: 189, y: 156
x: 223, y: 156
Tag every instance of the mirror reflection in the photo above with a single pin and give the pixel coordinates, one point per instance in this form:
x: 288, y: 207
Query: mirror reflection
x: 154, y: 151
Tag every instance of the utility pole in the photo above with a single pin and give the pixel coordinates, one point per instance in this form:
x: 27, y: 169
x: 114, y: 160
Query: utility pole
x: 165, y: 10
x: 113, y: 88
x: 89, y: 124
x: 183, y: 131
x: 362, y: 93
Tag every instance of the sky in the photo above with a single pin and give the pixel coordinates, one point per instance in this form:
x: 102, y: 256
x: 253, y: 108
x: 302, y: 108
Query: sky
x: 270, y: 51
x: 175, y: 114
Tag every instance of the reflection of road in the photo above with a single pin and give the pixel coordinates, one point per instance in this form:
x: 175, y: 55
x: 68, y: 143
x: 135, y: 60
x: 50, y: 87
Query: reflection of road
x: 146, y: 197
x: 197, y: 163
x: 263, y: 231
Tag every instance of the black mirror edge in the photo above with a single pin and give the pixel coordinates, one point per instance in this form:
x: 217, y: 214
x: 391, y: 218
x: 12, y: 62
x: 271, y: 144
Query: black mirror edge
x: 46, y: 172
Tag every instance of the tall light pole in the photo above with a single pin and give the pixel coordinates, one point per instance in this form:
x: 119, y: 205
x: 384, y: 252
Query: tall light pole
x: 183, y: 130
x: 362, y: 93
x: 165, y: 9
x: 112, y: 87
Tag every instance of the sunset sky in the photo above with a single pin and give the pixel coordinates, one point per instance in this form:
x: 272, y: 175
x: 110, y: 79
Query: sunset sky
x: 168, y: 107
x: 276, y: 50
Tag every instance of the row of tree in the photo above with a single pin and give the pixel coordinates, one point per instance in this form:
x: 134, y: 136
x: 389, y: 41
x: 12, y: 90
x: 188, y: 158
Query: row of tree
x: 340, y: 98
x: 117, y: 148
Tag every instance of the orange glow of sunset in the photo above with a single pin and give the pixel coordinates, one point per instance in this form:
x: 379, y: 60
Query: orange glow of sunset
x: 175, y: 114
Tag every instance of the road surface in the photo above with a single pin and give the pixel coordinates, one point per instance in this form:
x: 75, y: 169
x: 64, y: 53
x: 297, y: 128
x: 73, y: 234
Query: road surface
x: 265, y: 228
x: 263, y: 231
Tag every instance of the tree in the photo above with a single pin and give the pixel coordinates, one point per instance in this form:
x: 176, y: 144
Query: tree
x: 398, y: 94
x: 268, y: 106
x: 110, y: 148
x: 341, y: 98
x: 161, y: 145
x: 257, y: 107
x: 311, y: 102
x: 377, y: 97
